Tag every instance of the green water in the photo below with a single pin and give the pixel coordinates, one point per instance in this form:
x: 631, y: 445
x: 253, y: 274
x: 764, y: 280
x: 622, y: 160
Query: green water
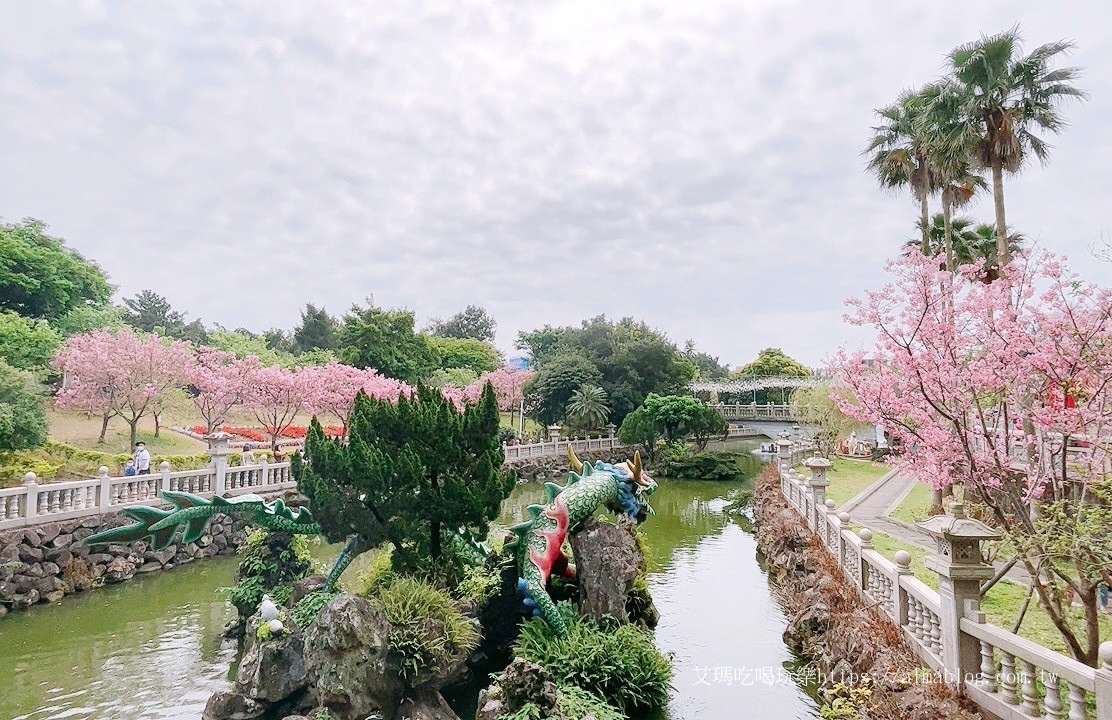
x: 152, y: 647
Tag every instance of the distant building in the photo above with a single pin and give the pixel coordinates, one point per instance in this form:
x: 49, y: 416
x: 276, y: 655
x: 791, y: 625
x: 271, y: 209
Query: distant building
x: 519, y: 363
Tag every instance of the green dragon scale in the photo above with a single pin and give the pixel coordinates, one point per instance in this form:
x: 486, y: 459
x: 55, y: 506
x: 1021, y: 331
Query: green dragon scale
x: 538, y: 545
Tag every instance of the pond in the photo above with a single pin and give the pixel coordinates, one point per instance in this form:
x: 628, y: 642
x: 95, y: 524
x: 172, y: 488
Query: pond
x: 152, y: 647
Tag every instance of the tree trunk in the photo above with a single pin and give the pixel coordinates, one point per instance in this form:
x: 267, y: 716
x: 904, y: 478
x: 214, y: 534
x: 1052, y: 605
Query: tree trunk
x: 133, y: 424
x: 947, y: 209
x: 104, y: 427
x: 1003, y: 252
x: 925, y: 219
x: 157, y: 423
x: 434, y: 540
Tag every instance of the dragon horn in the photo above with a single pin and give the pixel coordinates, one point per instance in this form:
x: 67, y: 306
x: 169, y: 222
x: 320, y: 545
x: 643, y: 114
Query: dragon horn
x: 635, y: 469
x: 575, y: 464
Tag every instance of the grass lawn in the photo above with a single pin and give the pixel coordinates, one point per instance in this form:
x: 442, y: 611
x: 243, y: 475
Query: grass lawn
x: 1002, y: 602
x: 914, y: 507
x: 530, y: 425
x: 849, y: 478
x: 74, y: 428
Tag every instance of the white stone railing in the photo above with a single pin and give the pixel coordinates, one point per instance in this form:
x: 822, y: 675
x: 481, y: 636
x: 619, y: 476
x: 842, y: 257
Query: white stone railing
x: 753, y: 411
x: 1009, y: 677
x: 559, y: 446
x: 32, y: 503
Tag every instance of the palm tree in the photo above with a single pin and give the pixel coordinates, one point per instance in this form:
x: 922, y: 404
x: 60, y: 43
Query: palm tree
x: 898, y: 156
x: 587, y: 407
x: 948, y: 149
x: 971, y: 243
x: 1009, y: 97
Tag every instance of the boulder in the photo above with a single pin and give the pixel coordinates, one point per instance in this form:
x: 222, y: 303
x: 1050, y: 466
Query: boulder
x: 308, y: 586
x: 522, y: 682
x: 607, y: 561
x: 61, y: 541
x: 118, y: 570
x: 225, y: 705
x: 30, y: 553
x: 48, y: 532
x: 51, y: 569
x: 272, y: 670
x: 427, y: 705
x: 22, y: 601
x: 347, y: 656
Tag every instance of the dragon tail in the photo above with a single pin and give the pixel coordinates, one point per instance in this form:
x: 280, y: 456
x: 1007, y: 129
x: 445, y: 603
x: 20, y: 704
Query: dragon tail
x: 146, y: 518
x: 537, y: 598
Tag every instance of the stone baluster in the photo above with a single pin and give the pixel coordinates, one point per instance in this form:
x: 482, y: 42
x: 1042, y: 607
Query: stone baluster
x: 863, y: 569
x: 1103, y: 683
x: 1052, y: 703
x: 899, y: 595
x: 1008, y: 678
x: 264, y: 472
x: 987, y: 676
x: 1030, y: 690
x: 163, y: 478
x: 31, y: 487
x: 961, y: 569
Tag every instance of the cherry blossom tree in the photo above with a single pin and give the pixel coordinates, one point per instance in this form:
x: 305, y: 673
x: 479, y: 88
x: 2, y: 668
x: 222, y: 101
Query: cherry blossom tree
x: 1002, y: 389
x: 332, y: 388
x: 219, y: 381
x: 275, y: 394
x: 119, y: 374
x: 509, y: 385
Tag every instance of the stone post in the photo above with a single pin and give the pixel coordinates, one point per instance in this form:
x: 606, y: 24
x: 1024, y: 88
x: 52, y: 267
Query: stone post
x: 554, y: 433
x: 218, y: 451
x: 843, y: 524
x: 264, y: 472
x: 105, y: 489
x: 1104, y: 682
x: 961, y: 570
x: 164, y: 480
x: 899, y: 596
x: 818, y: 484
x: 784, y: 450
x: 31, y: 487
x: 863, y: 567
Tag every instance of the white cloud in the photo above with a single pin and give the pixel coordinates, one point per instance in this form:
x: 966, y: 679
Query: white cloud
x: 693, y: 164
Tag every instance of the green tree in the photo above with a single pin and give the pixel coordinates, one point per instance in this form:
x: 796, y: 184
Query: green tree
x: 278, y: 340
x: 22, y: 416
x: 587, y: 407
x: 476, y: 355
x: 460, y: 377
x: 473, y: 322
x: 631, y: 358
x: 773, y: 362
x: 551, y: 389
x: 150, y: 312
x: 409, y: 473
x: 639, y: 428
x: 27, y: 343
x: 386, y: 341
x: 86, y: 319
x: 705, y: 425
x: 898, y: 154
x: 707, y: 366
x: 244, y: 343
x: 1008, y: 98
x: 816, y: 407
x: 42, y: 278
x: 317, y: 330
x: 673, y: 414
x: 971, y: 243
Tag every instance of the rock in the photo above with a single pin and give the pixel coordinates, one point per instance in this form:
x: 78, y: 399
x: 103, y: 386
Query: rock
x: 159, y: 556
x: 60, y: 556
x: 30, y: 553
x: 220, y: 541
x: 522, y: 682
x: 347, y: 656
x: 607, y: 562
x: 95, y: 522
x: 48, y: 532
x: 99, y: 559
x: 118, y: 570
x: 61, y: 541
x: 3, y: 610
x: 272, y: 670
x: 22, y: 601
x: 35, y: 570
x: 295, y: 717
x: 149, y: 567
x: 31, y: 538
x: 225, y: 705
x: 308, y: 586
x: 49, y: 585
x: 53, y: 596
x: 51, y: 569
x: 428, y: 705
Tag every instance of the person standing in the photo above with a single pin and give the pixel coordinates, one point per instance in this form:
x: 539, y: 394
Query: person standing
x: 129, y: 469
x: 142, y: 459
x: 247, y: 457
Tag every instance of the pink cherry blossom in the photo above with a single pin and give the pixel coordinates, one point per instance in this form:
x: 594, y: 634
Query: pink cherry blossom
x: 220, y: 380
x: 332, y: 388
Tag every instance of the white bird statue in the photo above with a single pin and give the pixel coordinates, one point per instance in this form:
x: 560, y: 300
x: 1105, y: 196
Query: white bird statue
x: 276, y: 627
x: 268, y: 609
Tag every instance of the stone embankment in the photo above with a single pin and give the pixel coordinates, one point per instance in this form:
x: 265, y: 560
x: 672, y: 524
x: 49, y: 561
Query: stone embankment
x: 828, y: 624
x: 44, y: 563
x: 553, y: 466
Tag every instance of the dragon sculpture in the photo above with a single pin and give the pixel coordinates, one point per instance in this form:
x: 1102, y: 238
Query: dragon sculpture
x: 538, y: 542
x: 537, y: 545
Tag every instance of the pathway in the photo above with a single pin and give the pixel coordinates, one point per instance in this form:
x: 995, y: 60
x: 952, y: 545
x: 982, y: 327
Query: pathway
x: 874, y: 505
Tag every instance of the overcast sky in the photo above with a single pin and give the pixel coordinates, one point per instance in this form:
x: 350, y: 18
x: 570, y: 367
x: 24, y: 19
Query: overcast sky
x: 695, y: 165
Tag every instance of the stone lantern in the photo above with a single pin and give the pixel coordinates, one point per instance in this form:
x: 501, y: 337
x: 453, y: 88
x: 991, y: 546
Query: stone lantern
x: 961, y: 570
x: 554, y: 433
x: 784, y: 450
x: 611, y: 428
x: 818, y: 482
x: 218, y: 451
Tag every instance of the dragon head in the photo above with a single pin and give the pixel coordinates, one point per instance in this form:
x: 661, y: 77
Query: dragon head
x: 634, y: 485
